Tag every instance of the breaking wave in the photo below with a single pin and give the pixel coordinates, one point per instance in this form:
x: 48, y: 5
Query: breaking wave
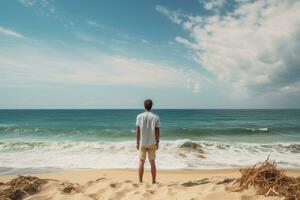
x: 183, y: 154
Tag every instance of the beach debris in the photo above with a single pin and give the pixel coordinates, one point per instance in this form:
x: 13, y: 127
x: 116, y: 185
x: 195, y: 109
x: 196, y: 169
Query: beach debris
x: 152, y: 191
x: 194, y: 183
x: 201, y: 156
x: 192, y: 146
x: 21, y: 187
x: 226, y: 181
x: 67, y: 187
x: 182, y: 155
x: 268, y: 180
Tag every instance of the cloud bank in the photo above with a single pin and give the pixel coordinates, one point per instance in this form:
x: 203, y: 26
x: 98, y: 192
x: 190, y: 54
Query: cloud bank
x: 253, y: 48
x: 40, y: 64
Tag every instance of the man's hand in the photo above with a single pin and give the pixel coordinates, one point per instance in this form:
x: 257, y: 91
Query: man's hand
x: 137, y: 147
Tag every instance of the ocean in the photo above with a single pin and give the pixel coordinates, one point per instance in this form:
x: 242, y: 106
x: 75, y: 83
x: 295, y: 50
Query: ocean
x: 52, y: 140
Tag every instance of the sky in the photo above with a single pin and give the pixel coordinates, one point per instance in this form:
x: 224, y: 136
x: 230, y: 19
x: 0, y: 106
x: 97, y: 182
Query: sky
x: 181, y: 54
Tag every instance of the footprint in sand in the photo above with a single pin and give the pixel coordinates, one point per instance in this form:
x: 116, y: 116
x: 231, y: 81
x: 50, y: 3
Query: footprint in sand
x: 100, y: 179
x: 113, y: 185
x: 135, y: 185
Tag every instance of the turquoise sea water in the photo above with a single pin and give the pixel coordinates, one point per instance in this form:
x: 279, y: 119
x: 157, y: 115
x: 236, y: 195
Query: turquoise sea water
x: 39, y: 139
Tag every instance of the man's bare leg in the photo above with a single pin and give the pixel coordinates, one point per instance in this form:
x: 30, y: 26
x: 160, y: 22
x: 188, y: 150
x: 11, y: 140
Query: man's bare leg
x: 141, y: 170
x: 153, y: 171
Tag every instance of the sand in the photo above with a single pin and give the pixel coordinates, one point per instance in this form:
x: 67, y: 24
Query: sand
x: 122, y: 184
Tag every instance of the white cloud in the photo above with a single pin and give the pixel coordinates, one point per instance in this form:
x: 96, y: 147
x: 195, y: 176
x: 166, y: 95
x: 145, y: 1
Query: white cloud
x: 174, y: 16
x: 28, y: 2
x: 212, y: 4
x: 9, y: 32
x: 254, y: 48
x: 84, y: 37
x: 35, y: 66
x: 144, y: 41
x: 43, y: 4
x: 182, y: 41
x: 193, y: 85
x: 185, y: 42
x: 93, y: 23
x: 124, y: 38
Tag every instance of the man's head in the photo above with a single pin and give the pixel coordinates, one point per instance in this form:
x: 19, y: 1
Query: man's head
x: 148, y: 104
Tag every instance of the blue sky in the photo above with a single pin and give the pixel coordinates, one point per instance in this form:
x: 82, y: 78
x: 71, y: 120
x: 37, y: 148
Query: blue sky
x: 114, y: 54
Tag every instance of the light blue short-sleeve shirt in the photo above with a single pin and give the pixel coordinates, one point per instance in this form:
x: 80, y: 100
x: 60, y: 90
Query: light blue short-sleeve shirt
x: 147, y: 121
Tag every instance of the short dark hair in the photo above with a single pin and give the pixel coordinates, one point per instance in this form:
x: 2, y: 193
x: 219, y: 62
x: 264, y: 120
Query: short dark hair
x: 148, y: 104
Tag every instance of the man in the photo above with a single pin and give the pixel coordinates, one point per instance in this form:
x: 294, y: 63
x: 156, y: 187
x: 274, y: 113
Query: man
x: 147, y: 131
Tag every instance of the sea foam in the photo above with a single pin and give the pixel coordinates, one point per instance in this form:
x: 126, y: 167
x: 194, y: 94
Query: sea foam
x: 171, y: 155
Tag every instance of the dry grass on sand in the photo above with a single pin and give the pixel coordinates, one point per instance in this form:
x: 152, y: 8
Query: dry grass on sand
x: 268, y: 180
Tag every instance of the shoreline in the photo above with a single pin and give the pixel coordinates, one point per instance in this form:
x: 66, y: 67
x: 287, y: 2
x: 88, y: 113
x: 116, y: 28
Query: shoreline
x: 54, y: 170
x: 132, y: 173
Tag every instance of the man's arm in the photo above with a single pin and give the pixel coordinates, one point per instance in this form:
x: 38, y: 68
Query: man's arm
x: 138, y: 137
x: 157, y: 135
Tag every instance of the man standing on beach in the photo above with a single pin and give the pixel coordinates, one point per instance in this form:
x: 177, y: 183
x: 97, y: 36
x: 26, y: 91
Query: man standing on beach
x: 147, y: 131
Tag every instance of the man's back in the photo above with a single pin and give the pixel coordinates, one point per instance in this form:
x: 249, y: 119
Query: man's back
x: 147, y: 121
x: 147, y: 125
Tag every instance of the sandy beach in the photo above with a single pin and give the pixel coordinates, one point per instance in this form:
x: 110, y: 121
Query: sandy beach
x: 123, y: 184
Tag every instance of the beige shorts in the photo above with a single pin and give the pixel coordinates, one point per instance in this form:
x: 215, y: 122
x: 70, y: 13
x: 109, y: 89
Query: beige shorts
x: 151, y: 152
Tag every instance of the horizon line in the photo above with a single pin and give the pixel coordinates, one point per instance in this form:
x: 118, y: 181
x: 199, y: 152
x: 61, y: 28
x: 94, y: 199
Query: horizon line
x: 152, y: 109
